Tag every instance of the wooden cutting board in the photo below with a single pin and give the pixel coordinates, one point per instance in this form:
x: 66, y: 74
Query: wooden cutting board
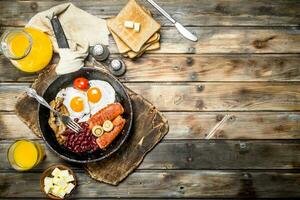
x: 149, y: 127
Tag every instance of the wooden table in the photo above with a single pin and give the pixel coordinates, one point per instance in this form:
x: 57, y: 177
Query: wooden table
x: 246, y: 63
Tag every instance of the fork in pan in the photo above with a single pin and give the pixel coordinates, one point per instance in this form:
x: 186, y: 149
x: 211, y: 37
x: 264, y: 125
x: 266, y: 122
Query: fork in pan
x: 70, y: 123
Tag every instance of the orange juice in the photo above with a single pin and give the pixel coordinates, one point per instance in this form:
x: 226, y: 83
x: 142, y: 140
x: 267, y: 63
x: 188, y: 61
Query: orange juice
x: 19, y: 44
x: 29, y: 50
x: 24, y: 155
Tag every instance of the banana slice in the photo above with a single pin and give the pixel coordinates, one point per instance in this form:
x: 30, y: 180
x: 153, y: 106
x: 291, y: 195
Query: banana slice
x: 108, y: 126
x: 97, y: 131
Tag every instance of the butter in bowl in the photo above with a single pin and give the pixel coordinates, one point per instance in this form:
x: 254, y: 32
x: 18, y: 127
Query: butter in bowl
x: 58, y: 182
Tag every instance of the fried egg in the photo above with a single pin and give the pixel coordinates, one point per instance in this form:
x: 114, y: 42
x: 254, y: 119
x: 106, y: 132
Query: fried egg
x: 76, y: 102
x: 99, y: 95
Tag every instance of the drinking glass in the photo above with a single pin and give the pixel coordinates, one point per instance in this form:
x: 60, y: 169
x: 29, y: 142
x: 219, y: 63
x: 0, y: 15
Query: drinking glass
x: 24, y: 155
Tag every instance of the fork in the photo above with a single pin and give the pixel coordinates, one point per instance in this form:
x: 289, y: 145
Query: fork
x: 70, y: 123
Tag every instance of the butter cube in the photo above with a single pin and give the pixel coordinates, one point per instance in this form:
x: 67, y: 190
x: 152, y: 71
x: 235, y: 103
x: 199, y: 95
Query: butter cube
x: 69, y: 178
x: 128, y: 24
x: 61, y: 193
x: 55, y: 190
x: 137, y: 27
x: 62, y: 183
x: 55, y: 172
x: 56, y: 180
x: 69, y: 188
x: 48, y: 184
x: 47, y: 188
x: 64, y: 173
x: 48, y: 181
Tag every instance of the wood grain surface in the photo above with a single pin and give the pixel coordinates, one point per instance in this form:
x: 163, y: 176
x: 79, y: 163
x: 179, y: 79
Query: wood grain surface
x: 191, y: 68
x: 195, y: 125
x: 246, y: 64
x: 166, y: 184
x: 199, y: 155
x: 188, y: 12
x: 280, y: 96
x: 225, y: 40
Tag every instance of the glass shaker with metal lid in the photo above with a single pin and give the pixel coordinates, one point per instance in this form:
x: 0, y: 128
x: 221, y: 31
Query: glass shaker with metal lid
x: 115, y: 65
x: 99, y: 52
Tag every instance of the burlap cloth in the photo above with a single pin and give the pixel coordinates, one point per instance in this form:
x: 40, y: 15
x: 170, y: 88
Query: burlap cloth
x: 149, y: 127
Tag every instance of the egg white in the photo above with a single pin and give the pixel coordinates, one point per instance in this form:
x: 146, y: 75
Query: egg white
x: 108, y: 95
x: 68, y: 94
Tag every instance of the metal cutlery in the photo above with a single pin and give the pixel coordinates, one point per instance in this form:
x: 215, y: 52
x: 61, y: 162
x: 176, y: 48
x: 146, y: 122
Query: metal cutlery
x: 70, y: 123
x: 59, y: 33
x: 186, y: 33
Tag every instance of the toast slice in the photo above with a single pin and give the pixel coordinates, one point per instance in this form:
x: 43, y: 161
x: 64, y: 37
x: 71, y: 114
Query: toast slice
x: 134, y: 12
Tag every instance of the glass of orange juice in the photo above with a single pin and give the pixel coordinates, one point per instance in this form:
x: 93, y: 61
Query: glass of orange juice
x: 30, y: 50
x: 24, y: 154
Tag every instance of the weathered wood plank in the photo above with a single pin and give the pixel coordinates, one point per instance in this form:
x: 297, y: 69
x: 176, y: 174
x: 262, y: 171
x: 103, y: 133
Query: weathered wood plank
x: 241, y: 125
x: 197, y: 154
x: 192, y: 125
x: 198, y: 96
x: 227, y: 40
x: 10, y: 73
x: 274, y: 67
x: 193, y: 68
x: 225, y: 96
x: 196, y: 184
x: 230, y: 40
x: 121, y: 198
x: 188, y: 12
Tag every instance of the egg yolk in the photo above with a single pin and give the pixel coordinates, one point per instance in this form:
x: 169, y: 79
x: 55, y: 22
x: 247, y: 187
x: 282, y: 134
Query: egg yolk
x: 94, y: 94
x: 76, y: 104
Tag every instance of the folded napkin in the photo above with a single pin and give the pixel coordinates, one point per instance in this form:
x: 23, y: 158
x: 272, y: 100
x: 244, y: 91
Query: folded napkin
x: 130, y: 43
x: 81, y: 29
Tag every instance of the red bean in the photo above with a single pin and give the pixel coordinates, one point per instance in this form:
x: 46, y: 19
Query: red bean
x: 82, y: 141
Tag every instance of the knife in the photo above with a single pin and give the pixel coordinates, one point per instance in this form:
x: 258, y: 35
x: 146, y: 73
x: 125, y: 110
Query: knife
x: 59, y: 33
x: 187, y: 34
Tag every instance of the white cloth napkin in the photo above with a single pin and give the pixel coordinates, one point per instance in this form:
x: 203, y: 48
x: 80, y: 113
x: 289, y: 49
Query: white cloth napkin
x: 81, y: 29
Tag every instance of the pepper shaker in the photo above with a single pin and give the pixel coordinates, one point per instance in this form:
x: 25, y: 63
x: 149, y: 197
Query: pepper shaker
x: 117, y: 67
x: 99, y: 52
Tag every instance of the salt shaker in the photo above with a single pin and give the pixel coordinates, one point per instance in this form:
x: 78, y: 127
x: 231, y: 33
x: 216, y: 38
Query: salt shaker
x: 99, y: 52
x: 117, y: 67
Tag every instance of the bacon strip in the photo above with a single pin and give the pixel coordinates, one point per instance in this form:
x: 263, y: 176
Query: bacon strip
x: 106, y: 139
x: 110, y: 112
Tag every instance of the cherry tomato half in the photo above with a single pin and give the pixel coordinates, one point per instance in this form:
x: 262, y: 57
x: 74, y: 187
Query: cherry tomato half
x: 81, y: 83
